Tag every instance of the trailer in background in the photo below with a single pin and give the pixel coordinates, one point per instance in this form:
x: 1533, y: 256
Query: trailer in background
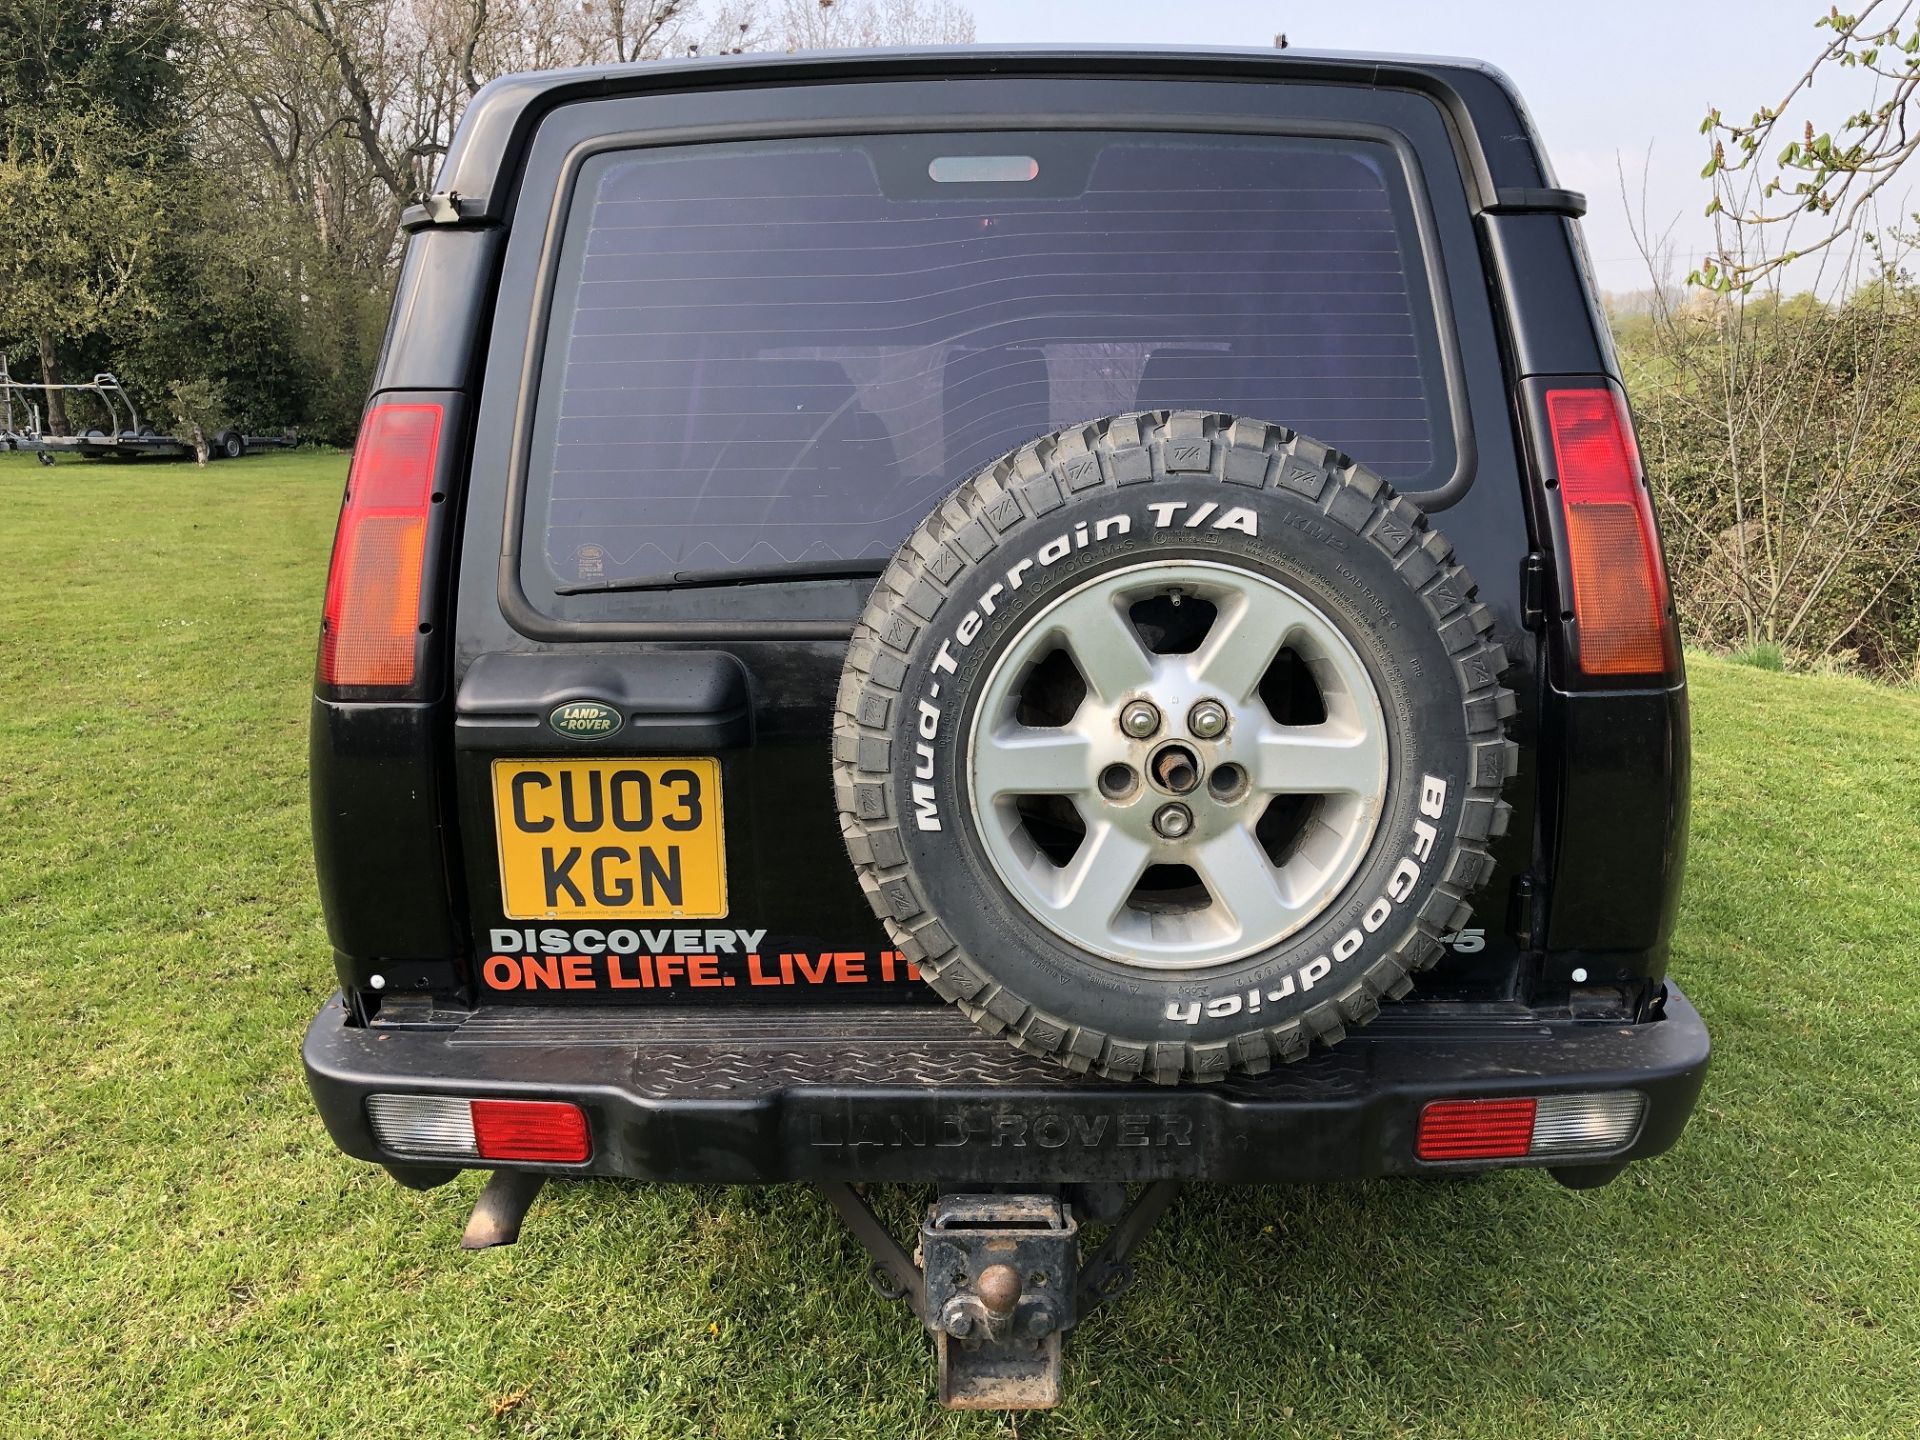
x: 125, y: 437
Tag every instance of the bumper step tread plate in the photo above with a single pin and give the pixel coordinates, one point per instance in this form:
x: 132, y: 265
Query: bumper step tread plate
x: 915, y: 1093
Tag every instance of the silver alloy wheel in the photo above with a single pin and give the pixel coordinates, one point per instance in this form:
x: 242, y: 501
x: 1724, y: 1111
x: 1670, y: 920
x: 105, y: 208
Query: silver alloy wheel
x: 1243, y: 897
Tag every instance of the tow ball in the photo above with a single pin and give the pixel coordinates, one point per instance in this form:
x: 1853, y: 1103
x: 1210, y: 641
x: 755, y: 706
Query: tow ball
x: 996, y: 1279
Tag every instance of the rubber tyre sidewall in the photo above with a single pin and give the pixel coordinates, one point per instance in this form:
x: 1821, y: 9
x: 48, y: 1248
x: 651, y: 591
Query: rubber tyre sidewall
x: 1350, y: 581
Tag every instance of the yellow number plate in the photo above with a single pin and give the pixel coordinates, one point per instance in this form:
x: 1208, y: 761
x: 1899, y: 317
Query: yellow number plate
x: 610, y: 839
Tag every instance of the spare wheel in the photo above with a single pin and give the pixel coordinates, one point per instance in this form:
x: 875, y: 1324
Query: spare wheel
x: 1170, y: 744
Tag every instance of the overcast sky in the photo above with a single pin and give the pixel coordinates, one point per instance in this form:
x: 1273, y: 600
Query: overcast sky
x: 1602, y: 79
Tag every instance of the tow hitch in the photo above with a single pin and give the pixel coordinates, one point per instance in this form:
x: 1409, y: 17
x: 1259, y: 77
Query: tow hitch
x: 1000, y: 1272
x: 996, y: 1278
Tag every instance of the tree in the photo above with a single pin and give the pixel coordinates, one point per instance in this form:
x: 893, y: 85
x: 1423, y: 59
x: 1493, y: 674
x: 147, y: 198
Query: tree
x: 88, y: 55
x: 1759, y: 191
x: 204, y: 195
x: 91, y: 122
x: 863, y: 24
x: 77, y: 226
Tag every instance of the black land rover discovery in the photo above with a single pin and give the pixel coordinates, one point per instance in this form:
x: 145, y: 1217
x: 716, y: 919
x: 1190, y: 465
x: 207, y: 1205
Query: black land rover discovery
x: 1025, y: 621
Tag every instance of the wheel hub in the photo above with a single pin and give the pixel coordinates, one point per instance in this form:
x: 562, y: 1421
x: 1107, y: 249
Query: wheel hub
x: 1203, y: 799
x: 1175, y: 768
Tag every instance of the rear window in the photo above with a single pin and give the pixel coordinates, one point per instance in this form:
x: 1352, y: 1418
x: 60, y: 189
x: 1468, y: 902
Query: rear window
x: 782, y: 353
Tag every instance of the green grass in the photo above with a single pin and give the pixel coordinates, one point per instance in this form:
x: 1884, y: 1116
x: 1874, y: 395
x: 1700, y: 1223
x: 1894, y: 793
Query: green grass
x: 1761, y: 656
x: 182, y: 1252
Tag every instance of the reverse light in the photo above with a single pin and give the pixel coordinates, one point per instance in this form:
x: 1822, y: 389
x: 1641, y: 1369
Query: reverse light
x: 1511, y: 1129
x: 371, y: 627
x: 1618, y: 574
x: 542, y: 1130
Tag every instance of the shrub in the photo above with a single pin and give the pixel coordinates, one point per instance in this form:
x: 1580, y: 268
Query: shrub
x: 1782, y: 438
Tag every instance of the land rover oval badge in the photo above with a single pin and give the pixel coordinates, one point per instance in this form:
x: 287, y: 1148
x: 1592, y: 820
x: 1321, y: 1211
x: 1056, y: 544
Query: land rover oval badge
x: 585, y: 720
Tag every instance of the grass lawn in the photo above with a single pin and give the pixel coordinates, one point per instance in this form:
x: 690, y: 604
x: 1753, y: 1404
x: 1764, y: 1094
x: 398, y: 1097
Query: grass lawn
x: 182, y: 1252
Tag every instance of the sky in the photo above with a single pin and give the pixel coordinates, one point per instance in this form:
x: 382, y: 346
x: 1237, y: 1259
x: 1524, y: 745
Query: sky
x: 1602, y: 80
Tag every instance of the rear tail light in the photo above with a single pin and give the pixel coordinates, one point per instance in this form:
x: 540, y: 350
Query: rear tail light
x: 544, y: 1130
x: 371, y: 630
x: 1617, y: 572
x: 530, y: 1130
x: 1475, y: 1129
x: 1597, y: 1123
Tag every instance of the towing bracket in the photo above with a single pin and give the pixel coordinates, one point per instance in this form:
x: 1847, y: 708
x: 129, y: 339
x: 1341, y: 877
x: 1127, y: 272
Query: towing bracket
x: 1000, y: 1275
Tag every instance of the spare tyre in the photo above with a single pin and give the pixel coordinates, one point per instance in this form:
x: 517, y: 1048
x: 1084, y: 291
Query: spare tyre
x: 1170, y: 744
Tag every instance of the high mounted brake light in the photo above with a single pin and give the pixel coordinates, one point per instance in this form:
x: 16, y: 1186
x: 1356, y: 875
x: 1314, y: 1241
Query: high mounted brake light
x: 370, y: 633
x: 1617, y: 573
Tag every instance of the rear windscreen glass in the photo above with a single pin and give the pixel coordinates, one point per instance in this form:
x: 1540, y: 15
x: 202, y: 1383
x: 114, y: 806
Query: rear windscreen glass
x: 782, y: 353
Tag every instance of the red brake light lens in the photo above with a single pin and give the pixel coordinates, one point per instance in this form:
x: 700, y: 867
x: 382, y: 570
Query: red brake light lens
x: 530, y: 1130
x: 370, y: 632
x: 1475, y: 1129
x: 1619, y: 576
x: 1592, y: 1122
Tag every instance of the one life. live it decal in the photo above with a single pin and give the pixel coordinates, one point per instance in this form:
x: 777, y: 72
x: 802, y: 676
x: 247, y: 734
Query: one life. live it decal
x: 646, y: 965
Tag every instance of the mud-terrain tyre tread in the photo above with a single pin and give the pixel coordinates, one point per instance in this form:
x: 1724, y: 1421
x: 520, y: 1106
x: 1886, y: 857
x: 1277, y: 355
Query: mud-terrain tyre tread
x: 965, y: 531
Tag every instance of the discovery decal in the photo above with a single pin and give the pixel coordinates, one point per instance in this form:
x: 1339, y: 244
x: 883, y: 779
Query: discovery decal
x: 621, y: 961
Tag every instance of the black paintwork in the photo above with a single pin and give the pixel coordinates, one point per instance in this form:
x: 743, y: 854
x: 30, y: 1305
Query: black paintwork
x: 675, y: 702
x: 1494, y: 134
x: 439, y: 310
x: 1587, y: 876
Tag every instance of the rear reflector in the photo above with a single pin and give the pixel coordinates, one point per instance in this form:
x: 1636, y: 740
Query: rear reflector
x: 1597, y: 1123
x: 530, y: 1130
x: 370, y: 633
x: 546, y: 1130
x: 1475, y: 1129
x: 1619, y: 576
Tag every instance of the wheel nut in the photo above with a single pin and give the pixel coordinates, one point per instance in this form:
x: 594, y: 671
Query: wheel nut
x: 1140, y: 719
x: 1173, y: 821
x: 1207, y: 719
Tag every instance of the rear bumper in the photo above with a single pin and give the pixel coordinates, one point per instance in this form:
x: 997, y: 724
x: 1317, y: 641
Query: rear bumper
x: 916, y: 1094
